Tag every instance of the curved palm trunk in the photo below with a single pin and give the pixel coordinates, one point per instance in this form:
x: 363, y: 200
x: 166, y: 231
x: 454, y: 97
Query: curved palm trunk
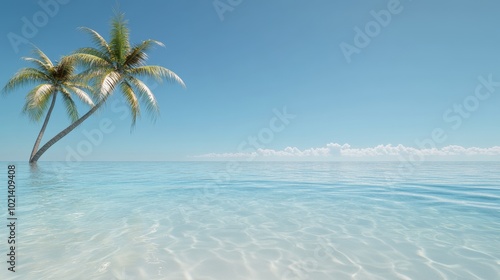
x: 44, y: 126
x: 63, y: 133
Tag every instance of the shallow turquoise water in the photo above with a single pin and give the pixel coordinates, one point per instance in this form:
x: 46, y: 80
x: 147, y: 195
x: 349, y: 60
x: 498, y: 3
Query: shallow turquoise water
x: 256, y: 221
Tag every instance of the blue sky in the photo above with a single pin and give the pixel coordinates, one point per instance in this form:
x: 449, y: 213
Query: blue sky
x: 356, y: 82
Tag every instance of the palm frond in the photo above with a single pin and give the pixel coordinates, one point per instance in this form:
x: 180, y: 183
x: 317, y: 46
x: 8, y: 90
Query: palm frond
x: 70, y: 105
x: 88, y: 60
x: 85, y: 78
x: 158, y: 73
x: 36, y: 96
x: 119, y: 43
x: 80, y: 82
x: 42, y: 66
x: 26, y: 76
x: 94, y: 52
x: 35, y: 114
x: 131, y: 99
x: 43, y: 57
x: 146, y: 95
x: 82, y: 95
x: 37, y: 100
x: 108, y: 83
x: 138, y: 55
x: 98, y: 40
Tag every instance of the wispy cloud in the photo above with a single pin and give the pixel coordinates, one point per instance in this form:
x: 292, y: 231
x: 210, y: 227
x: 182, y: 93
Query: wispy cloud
x: 345, y: 151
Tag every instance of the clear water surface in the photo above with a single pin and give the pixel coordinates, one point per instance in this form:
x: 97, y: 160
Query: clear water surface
x: 256, y: 220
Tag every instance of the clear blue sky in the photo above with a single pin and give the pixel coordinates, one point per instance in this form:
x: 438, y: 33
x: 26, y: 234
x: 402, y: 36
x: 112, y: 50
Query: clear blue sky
x: 241, y: 64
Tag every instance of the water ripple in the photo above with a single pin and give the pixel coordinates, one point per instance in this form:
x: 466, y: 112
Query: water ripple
x: 266, y: 221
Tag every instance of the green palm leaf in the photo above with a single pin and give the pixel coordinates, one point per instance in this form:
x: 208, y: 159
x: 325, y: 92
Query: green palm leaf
x: 98, y: 40
x: 108, y: 67
x: 37, y: 100
x: 145, y: 94
x: 70, y: 105
x: 158, y: 73
x: 131, y: 98
x: 117, y: 64
x: 25, y: 76
x: 119, y: 44
x: 48, y: 79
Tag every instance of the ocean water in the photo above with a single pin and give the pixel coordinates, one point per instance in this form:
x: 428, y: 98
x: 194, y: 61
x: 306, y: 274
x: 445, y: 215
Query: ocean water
x: 255, y: 220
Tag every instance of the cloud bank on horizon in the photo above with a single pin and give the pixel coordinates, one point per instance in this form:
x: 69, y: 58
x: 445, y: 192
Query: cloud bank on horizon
x: 333, y: 151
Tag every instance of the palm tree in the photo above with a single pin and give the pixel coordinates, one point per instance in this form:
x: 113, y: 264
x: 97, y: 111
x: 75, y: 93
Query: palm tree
x: 50, y: 80
x: 117, y: 64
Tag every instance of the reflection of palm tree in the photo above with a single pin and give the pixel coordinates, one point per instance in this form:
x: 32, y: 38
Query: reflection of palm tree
x: 116, y: 64
x: 50, y: 80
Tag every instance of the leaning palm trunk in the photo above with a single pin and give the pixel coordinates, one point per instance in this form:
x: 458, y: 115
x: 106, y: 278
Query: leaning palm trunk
x: 116, y: 65
x: 63, y: 133
x: 51, y: 79
x: 44, y: 126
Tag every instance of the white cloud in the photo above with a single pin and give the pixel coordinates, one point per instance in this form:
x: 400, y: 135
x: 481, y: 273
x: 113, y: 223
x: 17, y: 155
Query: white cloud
x: 345, y: 151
